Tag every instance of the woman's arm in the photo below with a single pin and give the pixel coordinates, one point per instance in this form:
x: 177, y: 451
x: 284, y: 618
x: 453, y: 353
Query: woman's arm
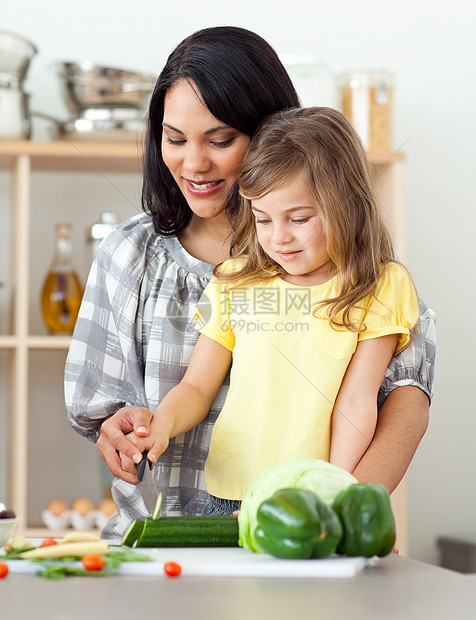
x: 404, y: 402
x: 104, y: 373
x: 187, y: 404
x: 355, y: 411
x: 402, y: 422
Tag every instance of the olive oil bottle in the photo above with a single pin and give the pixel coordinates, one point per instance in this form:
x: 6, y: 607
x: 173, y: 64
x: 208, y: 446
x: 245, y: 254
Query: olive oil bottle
x: 62, y: 292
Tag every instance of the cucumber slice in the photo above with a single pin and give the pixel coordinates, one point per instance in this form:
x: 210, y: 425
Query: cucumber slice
x: 133, y: 533
x: 158, y: 506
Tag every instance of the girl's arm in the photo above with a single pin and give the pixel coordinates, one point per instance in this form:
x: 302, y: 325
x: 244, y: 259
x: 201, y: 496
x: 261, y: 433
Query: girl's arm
x: 187, y: 404
x: 355, y: 411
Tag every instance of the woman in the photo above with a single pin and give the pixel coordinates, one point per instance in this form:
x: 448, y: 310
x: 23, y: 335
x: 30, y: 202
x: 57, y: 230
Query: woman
x: 135, y: 334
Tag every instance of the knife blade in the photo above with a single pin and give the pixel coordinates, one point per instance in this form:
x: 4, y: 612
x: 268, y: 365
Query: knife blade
x: 149, y: 492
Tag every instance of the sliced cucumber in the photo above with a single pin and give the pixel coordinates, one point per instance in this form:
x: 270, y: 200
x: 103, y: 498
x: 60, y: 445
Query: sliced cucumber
x: 158, y: 506
x: 214, y: 531
x: 133, y: 533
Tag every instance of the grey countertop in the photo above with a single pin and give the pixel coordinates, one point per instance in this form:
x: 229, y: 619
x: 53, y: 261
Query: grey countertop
x: 394, y: 587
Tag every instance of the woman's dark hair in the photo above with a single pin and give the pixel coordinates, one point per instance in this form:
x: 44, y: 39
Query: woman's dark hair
x: 241, y: 81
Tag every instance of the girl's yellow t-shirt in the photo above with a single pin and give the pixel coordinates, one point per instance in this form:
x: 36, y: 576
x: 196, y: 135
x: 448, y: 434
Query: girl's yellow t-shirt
x: 287, y: 368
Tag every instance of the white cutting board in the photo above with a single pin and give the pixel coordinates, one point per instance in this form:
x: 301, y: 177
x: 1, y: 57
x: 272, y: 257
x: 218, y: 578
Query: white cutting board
x: 223, y: 562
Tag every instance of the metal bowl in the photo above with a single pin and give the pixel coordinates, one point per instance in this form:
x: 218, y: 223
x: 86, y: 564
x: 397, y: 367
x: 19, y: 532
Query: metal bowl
x: 103, y: 124
x: 16, y: 53
x: 87, y: 85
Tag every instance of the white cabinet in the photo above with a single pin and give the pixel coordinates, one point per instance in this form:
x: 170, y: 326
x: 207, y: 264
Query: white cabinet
x: 20, y: 343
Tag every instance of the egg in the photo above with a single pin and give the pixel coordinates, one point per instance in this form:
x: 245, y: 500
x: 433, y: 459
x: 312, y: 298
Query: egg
x: 82, y: 505
x: 57, y: 507
x: 107, y: 507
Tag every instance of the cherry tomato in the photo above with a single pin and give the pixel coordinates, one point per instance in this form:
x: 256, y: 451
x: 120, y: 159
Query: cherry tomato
x: 172, y: 569
x: 93, y: 562
x: 3, y: 570
x: 48, y: 542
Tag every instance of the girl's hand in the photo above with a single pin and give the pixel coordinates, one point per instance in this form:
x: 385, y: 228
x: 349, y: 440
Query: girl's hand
x: 155, y: 444
x: 158, y: 447
x: 158, y: 439
x: 114, y: 441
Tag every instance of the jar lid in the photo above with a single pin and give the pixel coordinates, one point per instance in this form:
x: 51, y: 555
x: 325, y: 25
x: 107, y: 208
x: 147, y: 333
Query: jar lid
x: 364, y: 78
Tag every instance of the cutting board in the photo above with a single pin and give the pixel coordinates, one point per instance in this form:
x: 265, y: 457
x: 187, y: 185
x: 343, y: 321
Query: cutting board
x: 223, y: 562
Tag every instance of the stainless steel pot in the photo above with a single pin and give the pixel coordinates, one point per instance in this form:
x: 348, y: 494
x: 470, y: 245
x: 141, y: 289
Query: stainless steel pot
x: 16, y: 53
x: 15, y: 121
x: 87, y: 85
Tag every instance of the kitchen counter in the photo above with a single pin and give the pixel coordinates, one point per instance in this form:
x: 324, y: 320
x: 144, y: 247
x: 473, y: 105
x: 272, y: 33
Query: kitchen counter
x: 392, y: 588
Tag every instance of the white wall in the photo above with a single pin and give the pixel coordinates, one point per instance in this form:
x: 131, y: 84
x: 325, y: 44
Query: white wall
x: 431, y: 48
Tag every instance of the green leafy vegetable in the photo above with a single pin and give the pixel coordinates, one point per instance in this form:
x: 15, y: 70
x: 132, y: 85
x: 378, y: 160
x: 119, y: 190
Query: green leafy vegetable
x: 320, y: 477
x: 124, y: 554
x: 61, y: 567
x: 60, y: 571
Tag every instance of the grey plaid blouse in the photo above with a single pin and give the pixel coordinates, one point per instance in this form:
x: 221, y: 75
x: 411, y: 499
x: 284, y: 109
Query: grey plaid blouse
x: 132, y: 342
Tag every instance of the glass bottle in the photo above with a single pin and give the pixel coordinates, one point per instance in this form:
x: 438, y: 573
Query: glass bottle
x: 62, y: 293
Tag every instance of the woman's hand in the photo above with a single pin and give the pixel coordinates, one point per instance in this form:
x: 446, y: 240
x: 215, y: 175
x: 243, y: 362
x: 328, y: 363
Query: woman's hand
x: 118, y: 451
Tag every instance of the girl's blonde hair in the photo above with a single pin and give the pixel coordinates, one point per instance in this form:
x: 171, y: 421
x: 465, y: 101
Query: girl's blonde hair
x: 321, y: 142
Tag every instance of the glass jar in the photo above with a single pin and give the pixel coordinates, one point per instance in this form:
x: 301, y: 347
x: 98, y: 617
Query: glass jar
x: 97, y: 232
x: 367, y: 100
x: 314, y: 82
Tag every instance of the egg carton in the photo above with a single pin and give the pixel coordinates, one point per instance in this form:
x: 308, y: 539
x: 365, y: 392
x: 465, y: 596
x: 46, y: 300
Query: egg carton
x: 74, y: 519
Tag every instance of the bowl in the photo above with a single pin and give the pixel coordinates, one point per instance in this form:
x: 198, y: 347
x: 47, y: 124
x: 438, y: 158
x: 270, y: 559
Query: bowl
x: 88, y: 85
x: 16, y: 53
x: 7, y: 529
x: 103, y: 124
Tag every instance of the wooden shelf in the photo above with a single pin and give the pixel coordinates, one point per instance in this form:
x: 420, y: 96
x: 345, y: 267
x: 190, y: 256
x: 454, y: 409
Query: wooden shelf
x: 48, y: 342
x: 8, y: 342
x: 385, y: 158
x: 84, y: 156
x: 62, y: 155
x: 21, y: 159
x: 36, y: 342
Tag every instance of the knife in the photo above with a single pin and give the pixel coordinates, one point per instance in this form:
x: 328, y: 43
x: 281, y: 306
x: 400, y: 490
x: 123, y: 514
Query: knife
x: 149, y: 492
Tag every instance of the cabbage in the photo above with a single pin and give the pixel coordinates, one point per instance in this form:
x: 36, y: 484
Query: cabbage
x: 324, y: 479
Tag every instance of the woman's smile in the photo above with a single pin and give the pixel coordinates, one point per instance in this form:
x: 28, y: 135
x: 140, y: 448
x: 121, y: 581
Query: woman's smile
x: 202, y: 153
x: 203, y: 188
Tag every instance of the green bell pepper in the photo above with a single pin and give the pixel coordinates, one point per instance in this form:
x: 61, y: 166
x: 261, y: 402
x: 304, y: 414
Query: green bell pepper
x: 296, y: 524
x: 367, y: 519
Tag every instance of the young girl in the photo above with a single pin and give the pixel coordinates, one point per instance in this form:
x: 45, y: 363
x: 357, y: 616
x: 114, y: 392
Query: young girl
x: 307, y: 314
